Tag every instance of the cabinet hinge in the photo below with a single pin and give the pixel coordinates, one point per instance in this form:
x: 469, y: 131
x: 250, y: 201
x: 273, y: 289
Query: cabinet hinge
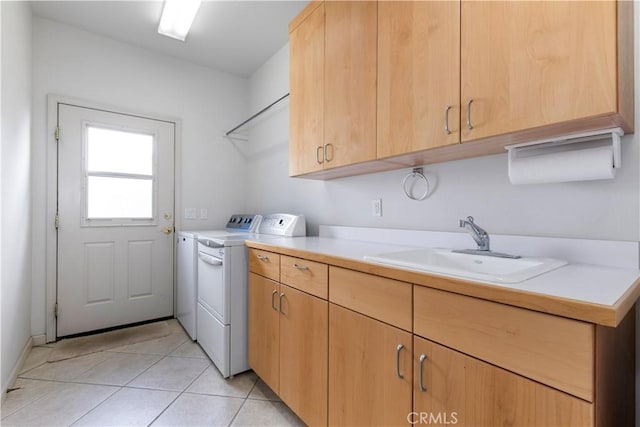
x: 57, y: 221
x: 57, y: 134
x: 55, y: 310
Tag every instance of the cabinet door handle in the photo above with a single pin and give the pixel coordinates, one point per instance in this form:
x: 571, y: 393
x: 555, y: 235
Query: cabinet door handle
x: 319, y: 157
x: 420, y: 369
x: 326, y: 152
x: 300, y: 267
x: 446, y: 120
x: 398, y: 350
x: 469, y: 125
x: 263, y: 258
x: 273, y: 300
x: 280, y: 301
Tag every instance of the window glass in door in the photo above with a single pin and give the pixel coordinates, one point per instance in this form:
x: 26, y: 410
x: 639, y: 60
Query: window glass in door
x: 119, y: 175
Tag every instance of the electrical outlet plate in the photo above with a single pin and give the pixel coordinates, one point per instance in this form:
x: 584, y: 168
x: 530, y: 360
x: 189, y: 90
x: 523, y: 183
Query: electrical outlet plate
x: 376, y: 207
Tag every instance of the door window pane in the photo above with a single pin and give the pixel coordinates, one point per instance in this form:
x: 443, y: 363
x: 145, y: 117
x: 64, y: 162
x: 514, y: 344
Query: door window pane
x: 117, y: 151
x: 110, y: 197
x: 119, y: 173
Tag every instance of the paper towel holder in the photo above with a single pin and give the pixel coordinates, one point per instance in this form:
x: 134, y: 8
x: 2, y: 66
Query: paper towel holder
x: 543, y: 144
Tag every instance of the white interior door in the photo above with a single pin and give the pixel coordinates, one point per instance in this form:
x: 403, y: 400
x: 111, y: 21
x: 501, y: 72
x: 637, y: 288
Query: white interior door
x: 115, y: 226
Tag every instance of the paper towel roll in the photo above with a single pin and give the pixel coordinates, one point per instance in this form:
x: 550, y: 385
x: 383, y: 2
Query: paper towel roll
x: 576, y: 165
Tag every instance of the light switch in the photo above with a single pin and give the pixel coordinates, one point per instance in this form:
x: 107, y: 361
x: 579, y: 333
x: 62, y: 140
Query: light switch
x: 204, y: 213
x: 190, y: 213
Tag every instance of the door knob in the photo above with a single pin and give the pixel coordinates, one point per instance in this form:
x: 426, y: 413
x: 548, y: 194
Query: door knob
x: 167, y: 230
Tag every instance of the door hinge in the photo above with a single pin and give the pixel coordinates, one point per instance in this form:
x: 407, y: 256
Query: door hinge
x: 57, y: 221
x: 55, y: 310
x: 57, y: 134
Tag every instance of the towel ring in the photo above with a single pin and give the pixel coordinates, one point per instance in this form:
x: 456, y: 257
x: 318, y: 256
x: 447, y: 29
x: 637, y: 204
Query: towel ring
x: 415, y: 174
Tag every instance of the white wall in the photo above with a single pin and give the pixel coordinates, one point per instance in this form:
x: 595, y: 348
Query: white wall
x: 15, y: 183
x: 75, y: 63
x: 478, y: 187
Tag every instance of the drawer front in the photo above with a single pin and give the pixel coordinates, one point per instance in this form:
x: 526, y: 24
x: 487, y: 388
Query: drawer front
x: 307, y: 276
x: 553, y: 350
x: 264, y: 263
x: 383, y: 299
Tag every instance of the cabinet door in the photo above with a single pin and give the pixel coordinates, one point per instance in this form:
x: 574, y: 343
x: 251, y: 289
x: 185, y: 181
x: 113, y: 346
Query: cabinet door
x: 418, y: 75
x: 528, y: 64
x: 439, y: 386
x: 364, y: 362
x: 304, y: 331
x: 264, y: 333
x: 306, y: 108
x: 467, y: 391
x: 350, y: 82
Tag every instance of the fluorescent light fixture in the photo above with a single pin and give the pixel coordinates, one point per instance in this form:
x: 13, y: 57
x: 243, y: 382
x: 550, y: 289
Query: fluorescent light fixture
x: 177, y: 17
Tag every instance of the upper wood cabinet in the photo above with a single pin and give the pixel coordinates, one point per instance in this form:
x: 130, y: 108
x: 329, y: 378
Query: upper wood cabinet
x: 482, y: 73
x: 418, y: 76
x: 333, y: 86
x: 350, y: 82
x: 530, y: 64
x: 306, y: 81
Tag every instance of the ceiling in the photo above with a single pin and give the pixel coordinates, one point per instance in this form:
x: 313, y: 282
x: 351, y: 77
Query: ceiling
x: 232, y: 36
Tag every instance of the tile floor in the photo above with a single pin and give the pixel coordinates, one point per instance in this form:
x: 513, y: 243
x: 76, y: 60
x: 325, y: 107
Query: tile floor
x: 168, y: 381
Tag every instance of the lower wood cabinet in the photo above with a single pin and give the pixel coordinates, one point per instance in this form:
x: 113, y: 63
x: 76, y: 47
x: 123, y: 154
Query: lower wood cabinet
x: 370, y: 371
x: 288, y: 341
x: 552, y: 350
x: 346, y: 348
x: 303, y: 354
x: 453, y: 388
x: 264, y: 330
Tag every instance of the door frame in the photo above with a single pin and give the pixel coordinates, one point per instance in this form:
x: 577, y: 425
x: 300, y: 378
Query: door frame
x: 51, y: 236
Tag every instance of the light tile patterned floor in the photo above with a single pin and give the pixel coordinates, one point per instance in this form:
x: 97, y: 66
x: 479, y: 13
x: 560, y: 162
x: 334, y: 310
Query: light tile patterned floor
x: 168, y: 381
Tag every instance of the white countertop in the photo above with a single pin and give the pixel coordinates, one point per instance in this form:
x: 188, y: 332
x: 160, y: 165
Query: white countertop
x: 588, y: 283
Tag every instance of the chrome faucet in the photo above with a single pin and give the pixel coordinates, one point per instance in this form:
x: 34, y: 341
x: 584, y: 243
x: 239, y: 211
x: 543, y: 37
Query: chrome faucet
x: 482, y: 239
x: 478, y: 233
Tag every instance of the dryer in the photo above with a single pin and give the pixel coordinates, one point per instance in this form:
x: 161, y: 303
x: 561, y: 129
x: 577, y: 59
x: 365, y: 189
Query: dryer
x: 223, y: 290
x: 187, y: 266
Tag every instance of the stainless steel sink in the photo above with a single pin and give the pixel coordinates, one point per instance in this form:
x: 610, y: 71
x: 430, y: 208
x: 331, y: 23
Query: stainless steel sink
x: 469, y: 266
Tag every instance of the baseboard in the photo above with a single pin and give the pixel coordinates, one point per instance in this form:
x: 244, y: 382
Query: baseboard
x: 18, y: 366
x: 39, y: 339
